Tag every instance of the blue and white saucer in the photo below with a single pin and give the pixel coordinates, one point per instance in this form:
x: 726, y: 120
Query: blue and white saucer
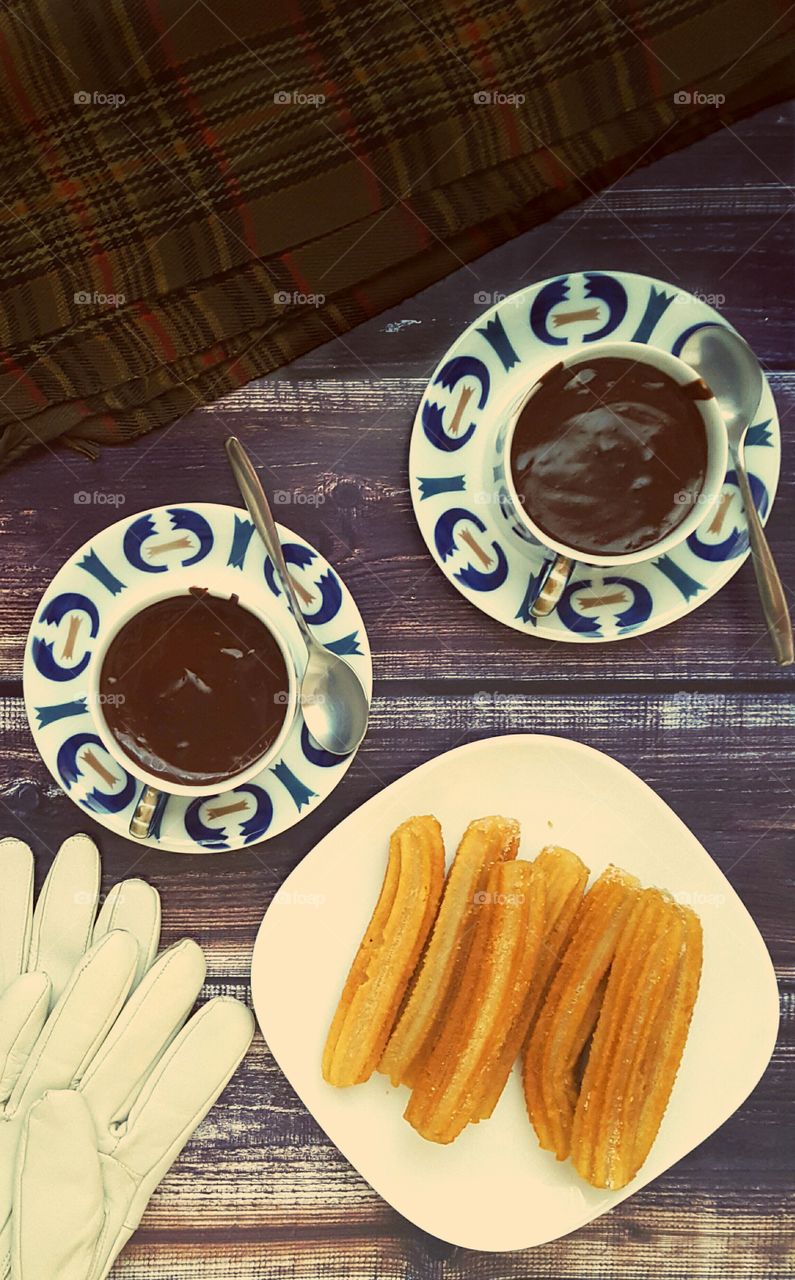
x: 483, y: 372
x: 67, y: 627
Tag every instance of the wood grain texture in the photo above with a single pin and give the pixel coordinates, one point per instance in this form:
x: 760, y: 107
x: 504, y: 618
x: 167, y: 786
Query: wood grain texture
x: 698, y: 711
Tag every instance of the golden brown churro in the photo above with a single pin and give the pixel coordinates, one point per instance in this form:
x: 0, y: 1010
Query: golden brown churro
x: 485, y: 842
x: 489, y: 997
x: 638, y: 1042
x: 571, y: 1008
x: 388, y: 953
x: 565, y: 877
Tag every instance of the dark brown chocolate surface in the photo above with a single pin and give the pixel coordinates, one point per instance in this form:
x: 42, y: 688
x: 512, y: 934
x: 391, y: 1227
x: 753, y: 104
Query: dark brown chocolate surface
x: 609, y: 455
x: 194, y: 688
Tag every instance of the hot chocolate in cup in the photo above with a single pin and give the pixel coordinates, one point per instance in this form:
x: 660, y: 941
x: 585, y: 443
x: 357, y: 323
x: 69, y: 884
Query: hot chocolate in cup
x: 194, y: 687
x: 613, y: 455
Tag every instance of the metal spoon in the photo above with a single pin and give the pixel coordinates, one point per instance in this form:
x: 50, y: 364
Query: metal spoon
x: 332, y: 697
x: 728, y: 365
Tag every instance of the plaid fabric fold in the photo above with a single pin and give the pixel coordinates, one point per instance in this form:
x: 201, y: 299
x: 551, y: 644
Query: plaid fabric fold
x: 194, y: 194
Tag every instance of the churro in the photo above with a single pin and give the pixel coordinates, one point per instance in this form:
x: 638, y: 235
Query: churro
x: 565, y: 877
x: 638, y: 1042
x: 571, y: 1009
x: 489, y: 997
x: 388, y: 953
x: 485, y: 842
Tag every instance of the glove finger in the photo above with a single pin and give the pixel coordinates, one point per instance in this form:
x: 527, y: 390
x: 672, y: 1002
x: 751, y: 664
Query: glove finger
x: 133, y: 905
x: 16, y: 908
x: 59, y: 1206
x: 23, y: 1011
x: 64, y: 915
x: 146, y: 1026
x: 80, y: 1020
x: 181, y: 1090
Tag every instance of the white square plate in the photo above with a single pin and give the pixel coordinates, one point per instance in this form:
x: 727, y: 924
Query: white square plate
x: 494, y: 1188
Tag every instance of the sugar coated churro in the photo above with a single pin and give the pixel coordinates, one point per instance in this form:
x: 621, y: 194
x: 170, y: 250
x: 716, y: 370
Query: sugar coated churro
x: 485, y: 842
x: 571, y: 1009
x: 638, y: 1042
x: 388, y: 953
x: 489, y: 997
x: 565, y: 877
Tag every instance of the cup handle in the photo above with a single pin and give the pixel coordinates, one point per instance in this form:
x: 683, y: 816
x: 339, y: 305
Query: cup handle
x: 552, y: 586
x: 150, y: 804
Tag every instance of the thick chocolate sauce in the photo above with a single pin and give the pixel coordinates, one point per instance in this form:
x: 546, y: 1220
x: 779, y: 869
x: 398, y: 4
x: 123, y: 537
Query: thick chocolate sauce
x: 194, y: 688
x: 609, y: 455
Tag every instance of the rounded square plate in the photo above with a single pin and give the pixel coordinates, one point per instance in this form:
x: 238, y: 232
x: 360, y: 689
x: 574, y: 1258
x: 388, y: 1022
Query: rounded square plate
x: 494, y: 1188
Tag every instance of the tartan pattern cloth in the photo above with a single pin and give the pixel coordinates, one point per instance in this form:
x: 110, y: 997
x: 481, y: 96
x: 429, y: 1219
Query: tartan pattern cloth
x: 195, y: 193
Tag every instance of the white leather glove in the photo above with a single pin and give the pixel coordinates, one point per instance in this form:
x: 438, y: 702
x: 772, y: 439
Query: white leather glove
x: 90, y: 1159
x: 54, y: 937
x: 64, y: 977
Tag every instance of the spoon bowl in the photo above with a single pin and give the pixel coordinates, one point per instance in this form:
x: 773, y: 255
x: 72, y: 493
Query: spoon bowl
x: 331, y: 703
x: 728, y: 365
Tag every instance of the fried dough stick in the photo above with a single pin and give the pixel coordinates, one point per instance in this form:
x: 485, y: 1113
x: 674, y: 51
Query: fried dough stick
x: 639, y: 1039
x: 571, y: 1009
x: 489, y: 997
x: 565, y: 877
x: 485, y: 842
x: 660, y: 1069
x: 388, y: 953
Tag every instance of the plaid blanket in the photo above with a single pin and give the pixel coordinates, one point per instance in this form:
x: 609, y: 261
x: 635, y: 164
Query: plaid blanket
x: 195, y: 192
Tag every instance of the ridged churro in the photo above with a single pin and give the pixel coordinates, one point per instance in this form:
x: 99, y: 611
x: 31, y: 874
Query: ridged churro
x: 571, y: 1009
x: 388, y: 953
x: 565, y: 877
x: 638, y: 1042
x: 489, y: 997
x: 485, y: 842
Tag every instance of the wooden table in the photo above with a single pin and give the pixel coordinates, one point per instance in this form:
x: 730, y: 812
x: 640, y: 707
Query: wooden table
x: 698, y: 710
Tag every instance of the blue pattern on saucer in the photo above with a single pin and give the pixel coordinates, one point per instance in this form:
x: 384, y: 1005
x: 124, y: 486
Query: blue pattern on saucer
x: 479, y: 548
x: 69, y: 620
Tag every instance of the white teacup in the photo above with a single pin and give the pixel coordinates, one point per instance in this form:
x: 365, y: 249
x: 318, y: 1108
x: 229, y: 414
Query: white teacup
x: 221, y: 583
x: 554, y: 580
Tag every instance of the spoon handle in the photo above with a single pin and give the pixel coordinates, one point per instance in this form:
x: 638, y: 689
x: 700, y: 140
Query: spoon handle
x: 771, y: 592
x: 253, y: 495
